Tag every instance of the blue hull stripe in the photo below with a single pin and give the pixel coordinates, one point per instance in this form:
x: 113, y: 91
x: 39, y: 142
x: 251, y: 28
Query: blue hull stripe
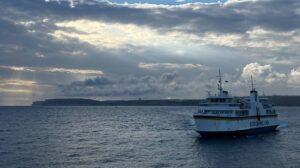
x: 232, y: 118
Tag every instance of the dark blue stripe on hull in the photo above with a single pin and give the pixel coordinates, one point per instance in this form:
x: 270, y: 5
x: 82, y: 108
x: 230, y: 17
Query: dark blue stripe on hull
x: 238, y: 133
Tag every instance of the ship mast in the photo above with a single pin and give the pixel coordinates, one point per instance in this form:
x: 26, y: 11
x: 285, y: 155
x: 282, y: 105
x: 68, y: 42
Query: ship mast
x: 252, y: 84
x: 220, y: 82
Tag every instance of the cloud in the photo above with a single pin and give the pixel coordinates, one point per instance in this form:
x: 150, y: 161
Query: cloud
x: 169, y: 77
x: 15, y: 91
x: 97, y: 81
x: 17, y: 86
x: 109, y: 35
x: 256, y: 70
x: 262, y: 73
x: 15, y: 68
x: 126, y: 35
x: 237, y: 17
x: 176, y: 86
x: 76, y: 71
x: 16, y: 82
x: 39, y: 55
x: 266, y: 78
x: 232, y: 24
x: 294, y: 78
x: 171, y: 66
x: 254, y: 38
x: 62, y: 42
x: 75, y: 53
x: 54, y: 69
x: 129, y: 86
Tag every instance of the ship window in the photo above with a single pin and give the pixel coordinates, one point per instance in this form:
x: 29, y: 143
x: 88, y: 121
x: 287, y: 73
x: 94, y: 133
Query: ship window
x: 219, y: 111
x: 217, y: 100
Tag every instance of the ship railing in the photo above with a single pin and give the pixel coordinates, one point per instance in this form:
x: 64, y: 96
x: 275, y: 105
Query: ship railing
x: 239, y: 113
x: 220, y: 104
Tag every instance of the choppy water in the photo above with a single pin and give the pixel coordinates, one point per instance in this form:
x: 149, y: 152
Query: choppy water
x: 135, y: 137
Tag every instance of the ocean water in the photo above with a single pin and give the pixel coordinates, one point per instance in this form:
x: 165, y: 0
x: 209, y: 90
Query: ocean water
x: 135, y: 137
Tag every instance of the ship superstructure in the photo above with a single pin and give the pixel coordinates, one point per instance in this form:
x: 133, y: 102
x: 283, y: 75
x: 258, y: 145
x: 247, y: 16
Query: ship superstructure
x: 222, y: 114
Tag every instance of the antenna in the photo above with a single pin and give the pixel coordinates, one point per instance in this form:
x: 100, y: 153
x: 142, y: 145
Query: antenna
x: 208, y: 93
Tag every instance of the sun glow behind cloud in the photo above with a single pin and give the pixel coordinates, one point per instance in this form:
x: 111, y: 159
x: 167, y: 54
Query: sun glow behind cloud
x: 102, y: 34
x: 172, y: 66
x: 109, y: 35
x: 90, y: 72
x: 17, y: 82
x: 16, y: 91
x: 117, y: 35
x: 17, y: 86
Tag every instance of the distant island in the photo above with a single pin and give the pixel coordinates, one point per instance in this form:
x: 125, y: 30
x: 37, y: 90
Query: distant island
x: 276, y: 100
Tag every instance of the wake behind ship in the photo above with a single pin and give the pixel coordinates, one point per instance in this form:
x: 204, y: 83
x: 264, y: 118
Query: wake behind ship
x: 224, y: 115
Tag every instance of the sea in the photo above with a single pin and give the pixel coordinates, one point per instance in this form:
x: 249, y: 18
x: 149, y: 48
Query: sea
x: 136, y: 137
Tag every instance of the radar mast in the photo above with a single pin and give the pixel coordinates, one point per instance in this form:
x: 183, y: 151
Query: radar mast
x: 220, y: 88
x: 252, y: 84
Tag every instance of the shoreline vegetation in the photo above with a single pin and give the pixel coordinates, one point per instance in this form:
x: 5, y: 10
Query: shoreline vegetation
x: 276, y: 100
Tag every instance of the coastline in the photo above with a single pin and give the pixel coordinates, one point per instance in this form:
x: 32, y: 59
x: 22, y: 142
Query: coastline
x: 277, y: 100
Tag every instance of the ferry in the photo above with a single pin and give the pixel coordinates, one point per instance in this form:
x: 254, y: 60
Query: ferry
x: 224, y: 115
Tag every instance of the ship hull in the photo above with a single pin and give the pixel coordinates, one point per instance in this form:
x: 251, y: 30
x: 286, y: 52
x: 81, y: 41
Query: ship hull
x: 251, y: 131
x: 235, y: 126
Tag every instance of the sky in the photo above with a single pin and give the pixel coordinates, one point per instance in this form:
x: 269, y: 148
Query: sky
x: 152, y: 49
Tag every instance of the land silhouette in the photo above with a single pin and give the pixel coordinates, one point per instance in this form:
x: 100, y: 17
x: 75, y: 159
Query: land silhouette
x: 276, y: 100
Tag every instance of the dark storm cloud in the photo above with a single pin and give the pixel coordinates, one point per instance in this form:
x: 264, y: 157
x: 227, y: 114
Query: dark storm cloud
x: 21, y: 47
x: 125, y: 86
x: 98, y: 81
x: 238, y: 17
x: 169, y: 77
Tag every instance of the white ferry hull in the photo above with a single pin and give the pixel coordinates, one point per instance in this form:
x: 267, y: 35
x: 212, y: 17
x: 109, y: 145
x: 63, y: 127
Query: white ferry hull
x: 245, y: 132
x: 215, y: 126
